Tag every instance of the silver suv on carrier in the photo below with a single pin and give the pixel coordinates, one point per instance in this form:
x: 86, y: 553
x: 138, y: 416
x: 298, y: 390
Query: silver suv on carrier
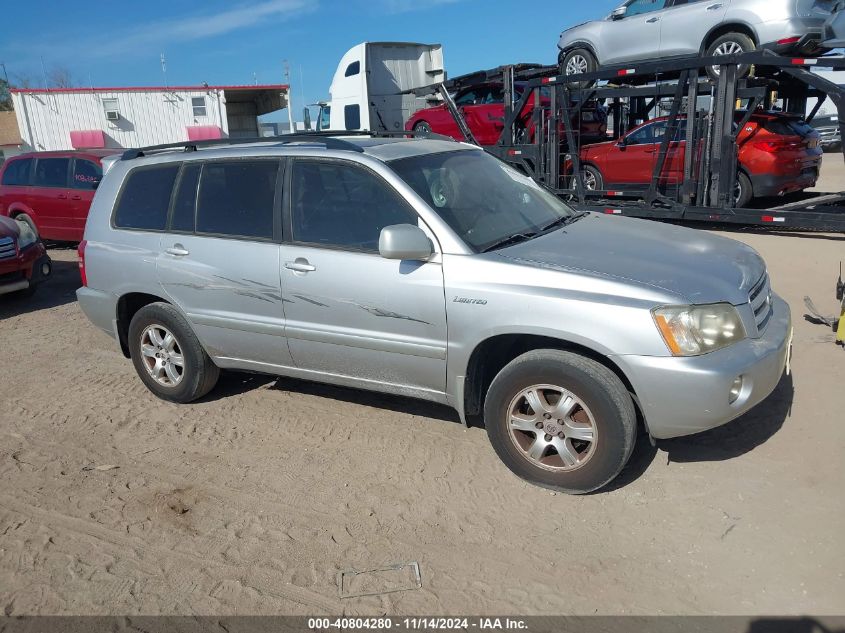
x: 428, y: 268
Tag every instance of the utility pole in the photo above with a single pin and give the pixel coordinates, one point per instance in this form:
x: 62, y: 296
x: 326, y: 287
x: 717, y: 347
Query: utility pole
x: 290, y: 99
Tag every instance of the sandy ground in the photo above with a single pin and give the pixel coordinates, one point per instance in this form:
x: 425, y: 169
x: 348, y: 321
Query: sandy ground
x: 252, y: 500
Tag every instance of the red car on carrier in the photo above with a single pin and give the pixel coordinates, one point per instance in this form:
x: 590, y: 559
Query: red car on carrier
x: 483, y: 107
x: 778, y: 154
x: 52, y: 191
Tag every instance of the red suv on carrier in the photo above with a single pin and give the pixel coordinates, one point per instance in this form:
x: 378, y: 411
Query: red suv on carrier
x: 483, y: 107
x: 51, y: 191
x: 778, y: 154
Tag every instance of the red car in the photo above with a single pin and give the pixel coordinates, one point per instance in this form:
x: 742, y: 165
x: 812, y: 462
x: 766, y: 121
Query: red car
x: 51, y: 191
x: 483, y: 107
x: 24, y: 263
x: 778, y: 154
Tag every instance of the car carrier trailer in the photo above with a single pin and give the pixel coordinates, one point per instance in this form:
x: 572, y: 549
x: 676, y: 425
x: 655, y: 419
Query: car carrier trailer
x: 680, y: 85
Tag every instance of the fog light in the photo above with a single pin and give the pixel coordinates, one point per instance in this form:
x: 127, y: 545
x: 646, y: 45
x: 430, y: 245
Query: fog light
x: 736, y: 389
x: 45, y: 269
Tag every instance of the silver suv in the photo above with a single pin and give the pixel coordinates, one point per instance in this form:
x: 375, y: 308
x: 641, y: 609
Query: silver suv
x: 658, y: 29
x: 430, y: 269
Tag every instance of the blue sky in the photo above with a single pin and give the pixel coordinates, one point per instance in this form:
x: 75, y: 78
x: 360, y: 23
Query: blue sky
x: 225, y: 42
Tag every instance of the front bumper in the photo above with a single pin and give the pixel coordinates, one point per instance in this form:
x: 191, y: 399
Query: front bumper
x: 31, y: 267
x: 681, y: 396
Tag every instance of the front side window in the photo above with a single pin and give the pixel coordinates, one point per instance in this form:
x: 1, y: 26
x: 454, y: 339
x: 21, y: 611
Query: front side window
x: 198, y: 105
x: 237, y: 199
x: 86, y: 174
x: 343, y: 205
x: 145, y: 198
x: 643, y: 136
x: 644, y: 6
x: 51, y: 172
x: 481, y: 198
x: 466, y: 98
x: 18, y: 172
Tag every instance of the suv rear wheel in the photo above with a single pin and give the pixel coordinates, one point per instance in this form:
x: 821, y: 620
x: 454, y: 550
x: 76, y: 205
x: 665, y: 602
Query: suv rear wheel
x: 730, y: 44
x: 560, y: 420
x: 168, y: 356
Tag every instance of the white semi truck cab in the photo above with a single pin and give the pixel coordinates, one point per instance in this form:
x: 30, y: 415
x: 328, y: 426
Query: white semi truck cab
x: 373, y: 86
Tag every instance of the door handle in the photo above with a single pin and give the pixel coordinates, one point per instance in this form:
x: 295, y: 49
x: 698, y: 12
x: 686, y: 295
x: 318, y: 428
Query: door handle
x: 652, y: 20
x: 76, y: 197
x: 713, y: 7
x: 177, y: 250
x: 62, y: 196
x: 300, y: 265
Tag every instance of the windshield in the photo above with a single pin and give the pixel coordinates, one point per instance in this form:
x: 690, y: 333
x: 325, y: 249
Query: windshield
x: 482, y: 199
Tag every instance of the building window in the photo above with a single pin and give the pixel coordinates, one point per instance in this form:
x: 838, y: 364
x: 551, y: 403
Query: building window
x: 198, y: 104
x: 111, y: 109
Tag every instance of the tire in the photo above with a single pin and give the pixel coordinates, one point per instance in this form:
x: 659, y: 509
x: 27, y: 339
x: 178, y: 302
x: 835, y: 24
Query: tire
x: 593, y: 180
x: 422, y: 128
x: 744, y: 191
x: 23, y: 217
x: 576, y: 62
x: 729, y: 44
x: 147, y: 334
x: 602, y: 409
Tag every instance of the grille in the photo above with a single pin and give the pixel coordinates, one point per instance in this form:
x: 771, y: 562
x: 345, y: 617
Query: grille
x: 760, y: 298
x: 7, y: 248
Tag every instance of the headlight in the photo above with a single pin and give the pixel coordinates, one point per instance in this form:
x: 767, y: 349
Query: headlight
x: 695, y: 330
x: 27, y: 236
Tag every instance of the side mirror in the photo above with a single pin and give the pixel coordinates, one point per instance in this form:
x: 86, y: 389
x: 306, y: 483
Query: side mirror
x: 622, y: 143
x: 306, y: 118
x: 404, y: 241
x: 618, y: 14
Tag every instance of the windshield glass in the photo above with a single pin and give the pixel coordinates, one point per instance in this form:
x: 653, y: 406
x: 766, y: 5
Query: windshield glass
x: 481, y: 198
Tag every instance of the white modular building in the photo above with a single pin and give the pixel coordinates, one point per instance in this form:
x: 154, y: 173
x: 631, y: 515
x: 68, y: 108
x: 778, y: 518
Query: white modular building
x: 86, y: 118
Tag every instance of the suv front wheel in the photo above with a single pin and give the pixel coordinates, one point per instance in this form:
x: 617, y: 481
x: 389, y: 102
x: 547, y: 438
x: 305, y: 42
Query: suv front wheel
x: 168, y: 356
x: 560, y: 420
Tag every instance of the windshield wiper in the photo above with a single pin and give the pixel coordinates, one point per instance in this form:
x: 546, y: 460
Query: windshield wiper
x: 565, y: 220
x: 512, y: 239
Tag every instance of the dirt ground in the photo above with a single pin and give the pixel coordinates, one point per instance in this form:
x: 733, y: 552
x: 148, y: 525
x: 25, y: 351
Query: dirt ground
x: 252, y: 500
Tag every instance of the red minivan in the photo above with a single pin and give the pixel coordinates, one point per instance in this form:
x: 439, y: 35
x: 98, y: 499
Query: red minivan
x: 52, y: 191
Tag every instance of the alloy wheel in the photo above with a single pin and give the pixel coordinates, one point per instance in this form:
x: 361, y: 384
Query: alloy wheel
x: 552, y: 428
x: 577, y: 65
x: 162, y: 356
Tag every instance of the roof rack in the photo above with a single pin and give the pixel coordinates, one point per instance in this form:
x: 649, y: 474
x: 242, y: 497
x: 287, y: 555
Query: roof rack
x: 327, y: 138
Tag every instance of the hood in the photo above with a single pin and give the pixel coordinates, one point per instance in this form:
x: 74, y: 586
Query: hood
x: 8, y: 227
x: 595, y: 149
x: 694, y: 265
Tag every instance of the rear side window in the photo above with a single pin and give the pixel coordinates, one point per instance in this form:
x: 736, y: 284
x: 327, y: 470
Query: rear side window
x: 51, y: 172
x: 237, y: 199
x: 18, y: 172
x: 145, y: 198
x: 86, y: 174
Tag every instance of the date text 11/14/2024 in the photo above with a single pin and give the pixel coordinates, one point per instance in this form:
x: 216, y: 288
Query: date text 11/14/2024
x: 416, y: 624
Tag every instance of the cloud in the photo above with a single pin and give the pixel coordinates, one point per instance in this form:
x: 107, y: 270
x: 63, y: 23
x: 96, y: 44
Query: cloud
x: 161, y: 34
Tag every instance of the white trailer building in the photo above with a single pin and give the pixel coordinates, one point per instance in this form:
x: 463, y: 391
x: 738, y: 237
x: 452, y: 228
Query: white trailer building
x: 77, y: 118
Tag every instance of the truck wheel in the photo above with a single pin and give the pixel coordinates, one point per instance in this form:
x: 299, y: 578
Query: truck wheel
x: 168, y: 356
x: 578, y: 62
x: 560, y: 420
x: 730, y: 44
x: 743, y: 191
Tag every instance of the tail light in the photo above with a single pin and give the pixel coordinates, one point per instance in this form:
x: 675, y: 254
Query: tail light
x: 81, y: 251
x: 789, y: 40
x: 777, y: 145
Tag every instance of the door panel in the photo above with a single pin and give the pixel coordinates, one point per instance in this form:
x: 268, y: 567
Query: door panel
x: 349, y: 311
x: 686, y: 25
x: 230, y: 292
x: 359, y: 315
x: 636, y: 36
x: 50, y: 199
